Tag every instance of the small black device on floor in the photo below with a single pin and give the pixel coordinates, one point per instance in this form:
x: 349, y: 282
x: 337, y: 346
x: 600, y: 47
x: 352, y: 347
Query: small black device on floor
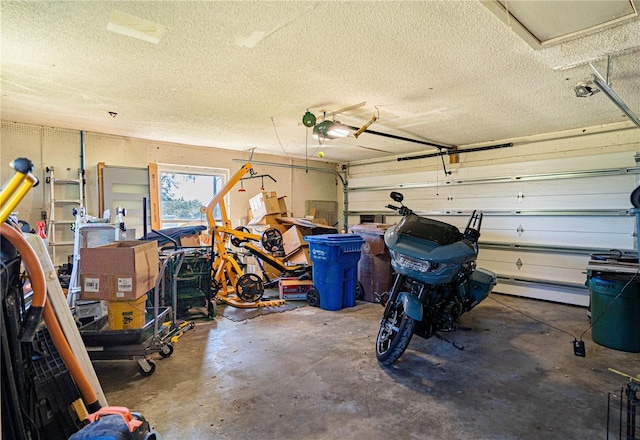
x: 578, y: 348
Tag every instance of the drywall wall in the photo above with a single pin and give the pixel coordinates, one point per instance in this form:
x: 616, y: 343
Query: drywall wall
x: 549, y: 201
x: 60, y: 148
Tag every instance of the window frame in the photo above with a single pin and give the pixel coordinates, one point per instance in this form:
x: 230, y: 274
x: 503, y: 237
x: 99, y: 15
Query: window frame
x: 164, y: 168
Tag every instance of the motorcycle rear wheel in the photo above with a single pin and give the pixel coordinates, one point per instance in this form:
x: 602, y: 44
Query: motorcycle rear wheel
x: 396, y: 330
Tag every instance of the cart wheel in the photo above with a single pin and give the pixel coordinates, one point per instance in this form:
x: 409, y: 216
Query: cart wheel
x: 166, y: 350
x: 313, y: 297
x: 359, y: 291
x: 147, y: 367
x: 215, y: 287
x: 250, y: 287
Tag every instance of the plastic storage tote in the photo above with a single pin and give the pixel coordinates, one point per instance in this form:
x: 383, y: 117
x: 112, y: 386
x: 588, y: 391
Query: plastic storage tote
x: 335, y: 267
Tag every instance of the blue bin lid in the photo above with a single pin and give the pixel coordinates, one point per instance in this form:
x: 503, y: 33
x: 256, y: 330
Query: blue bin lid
x: 333, y: 239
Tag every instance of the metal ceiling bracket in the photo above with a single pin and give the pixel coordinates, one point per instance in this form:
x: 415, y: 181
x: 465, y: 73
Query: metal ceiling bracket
x: 603, y: 85
x: 443, y: 165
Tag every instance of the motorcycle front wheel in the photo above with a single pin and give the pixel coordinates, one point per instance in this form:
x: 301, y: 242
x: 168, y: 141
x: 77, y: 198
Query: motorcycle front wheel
x: 396, y: 330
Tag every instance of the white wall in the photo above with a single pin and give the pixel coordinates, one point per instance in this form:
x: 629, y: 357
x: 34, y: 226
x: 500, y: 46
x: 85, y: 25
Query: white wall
x: 543, y: 217
x: 60, y: 148
x: 549, y: 201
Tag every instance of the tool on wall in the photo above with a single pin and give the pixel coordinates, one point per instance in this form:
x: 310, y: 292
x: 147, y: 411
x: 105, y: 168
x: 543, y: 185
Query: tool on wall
x: 229, y: 283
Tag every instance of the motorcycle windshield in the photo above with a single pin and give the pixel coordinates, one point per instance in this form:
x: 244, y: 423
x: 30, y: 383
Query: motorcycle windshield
x: 438, y: 232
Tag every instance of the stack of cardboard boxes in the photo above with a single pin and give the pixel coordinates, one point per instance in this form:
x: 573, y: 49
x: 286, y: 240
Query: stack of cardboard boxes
x: 121, y: 274
x: 267, y: 210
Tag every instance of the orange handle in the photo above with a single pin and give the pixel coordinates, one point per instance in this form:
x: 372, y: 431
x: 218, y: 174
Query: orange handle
x: 36, y: 275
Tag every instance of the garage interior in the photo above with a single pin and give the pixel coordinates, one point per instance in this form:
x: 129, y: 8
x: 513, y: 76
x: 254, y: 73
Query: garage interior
x: 195, y: 162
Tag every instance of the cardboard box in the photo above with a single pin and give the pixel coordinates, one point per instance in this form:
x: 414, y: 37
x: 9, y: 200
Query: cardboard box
x: 292, y: 240
x: 320, y: 221
x: 190, y: 240
x: 266, y: 202
x: 294, y: 289
x: 271, y: 271
x: 121, y: 271
x: 307, y: 227
x: 282, y: 205
x: 266, y: 219
x: 300, y: 257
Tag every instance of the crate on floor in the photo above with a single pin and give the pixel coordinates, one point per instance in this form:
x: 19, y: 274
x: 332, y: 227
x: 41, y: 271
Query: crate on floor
x: 294, y: 289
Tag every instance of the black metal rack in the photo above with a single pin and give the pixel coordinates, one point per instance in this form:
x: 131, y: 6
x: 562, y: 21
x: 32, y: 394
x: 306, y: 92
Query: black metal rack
x: 157, y: 336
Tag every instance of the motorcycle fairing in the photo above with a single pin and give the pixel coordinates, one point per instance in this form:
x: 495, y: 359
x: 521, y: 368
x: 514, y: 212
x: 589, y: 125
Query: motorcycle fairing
x: 424, y: 228
x: 411, y: 305
x: 481, y: 282
x: 446, y: 257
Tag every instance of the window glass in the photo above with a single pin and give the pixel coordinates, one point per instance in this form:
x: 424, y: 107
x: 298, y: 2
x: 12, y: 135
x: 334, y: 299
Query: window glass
x: 183, y: 193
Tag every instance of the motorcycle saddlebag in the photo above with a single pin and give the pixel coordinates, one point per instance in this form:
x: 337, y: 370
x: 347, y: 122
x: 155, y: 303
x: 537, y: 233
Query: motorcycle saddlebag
x: 116, y: 423
x: 481, y: 282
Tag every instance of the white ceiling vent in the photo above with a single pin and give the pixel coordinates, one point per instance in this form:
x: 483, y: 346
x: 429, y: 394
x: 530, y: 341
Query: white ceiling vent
x: 544, y: 23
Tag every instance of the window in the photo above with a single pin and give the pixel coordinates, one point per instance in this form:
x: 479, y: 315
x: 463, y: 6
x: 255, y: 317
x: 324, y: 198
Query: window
x: 184, y: 190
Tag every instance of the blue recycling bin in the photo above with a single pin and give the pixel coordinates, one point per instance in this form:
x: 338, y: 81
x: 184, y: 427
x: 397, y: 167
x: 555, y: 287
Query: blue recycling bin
x: 335, y: 268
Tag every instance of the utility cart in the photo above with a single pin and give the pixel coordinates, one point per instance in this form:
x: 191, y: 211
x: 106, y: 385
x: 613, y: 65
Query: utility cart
x: 160, y: 331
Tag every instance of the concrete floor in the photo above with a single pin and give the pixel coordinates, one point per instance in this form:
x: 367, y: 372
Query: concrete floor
x: 312, y: 374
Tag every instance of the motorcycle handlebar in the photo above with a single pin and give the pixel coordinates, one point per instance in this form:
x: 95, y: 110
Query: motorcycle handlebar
x: 402, y: 210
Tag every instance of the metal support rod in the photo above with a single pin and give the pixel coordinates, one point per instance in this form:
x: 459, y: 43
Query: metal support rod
x: 83, y: 182
x: 444, y: 166
x: 459, y: 151
x: 603, y: 85
x: 401, y: 138
x: 261, y: 176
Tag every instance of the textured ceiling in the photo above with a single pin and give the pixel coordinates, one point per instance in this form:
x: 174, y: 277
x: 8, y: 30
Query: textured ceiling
x: 240, y: 75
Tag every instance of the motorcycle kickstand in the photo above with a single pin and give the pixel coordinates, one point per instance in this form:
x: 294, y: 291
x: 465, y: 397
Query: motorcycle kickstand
x: 455, y: 344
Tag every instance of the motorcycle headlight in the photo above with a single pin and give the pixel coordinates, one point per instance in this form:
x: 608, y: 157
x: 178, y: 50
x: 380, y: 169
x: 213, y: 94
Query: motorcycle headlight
x: 411, y: 263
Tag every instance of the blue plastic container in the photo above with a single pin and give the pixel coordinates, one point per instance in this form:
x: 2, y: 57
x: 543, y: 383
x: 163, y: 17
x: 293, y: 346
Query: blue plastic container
x: 335, y: 268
